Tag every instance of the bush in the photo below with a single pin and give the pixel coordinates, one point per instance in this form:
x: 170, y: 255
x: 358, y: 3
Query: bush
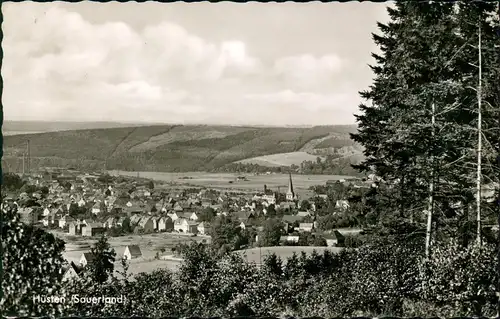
x: 32, y: 264
x: 461, y: 281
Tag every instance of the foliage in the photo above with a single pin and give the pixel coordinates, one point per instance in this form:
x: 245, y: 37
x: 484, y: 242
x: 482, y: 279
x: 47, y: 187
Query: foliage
x: 270, y: 236
x: 151, y: 185
x: 12, y: 181
x: 470, y: 289
x: 227, y: 235
x: 126, y: 227
x: 32, y: 265
x: 103, y: 264
x: 105, y: 179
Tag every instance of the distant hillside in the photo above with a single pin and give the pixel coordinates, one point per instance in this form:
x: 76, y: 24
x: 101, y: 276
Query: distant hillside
x: 31, y: 127
x: 164, y: 147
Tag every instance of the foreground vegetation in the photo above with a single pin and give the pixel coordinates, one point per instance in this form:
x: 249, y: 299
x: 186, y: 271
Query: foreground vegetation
x: 388, y: 276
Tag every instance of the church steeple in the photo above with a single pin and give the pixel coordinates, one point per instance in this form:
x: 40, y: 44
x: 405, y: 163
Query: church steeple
x: 290, y: 195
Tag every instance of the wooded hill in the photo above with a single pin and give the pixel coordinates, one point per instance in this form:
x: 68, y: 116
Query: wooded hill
x: 164, y: 147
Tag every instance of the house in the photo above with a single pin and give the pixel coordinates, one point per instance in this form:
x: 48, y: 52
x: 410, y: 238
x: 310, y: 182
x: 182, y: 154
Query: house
x: 110, y: 222
x: 335, y: 239
x: 287, y: 205
x: 46, y: 212
x: 93, y: 229
x: 119, y: 221
x: 193, y: 216
x: 174, y: 216
x: 135, y: 219
x: 134, y: 209
x: 155, y: 219
x: 81, y: 203
x: 165, y: 224
x: 304, y: 214
x: 146, y: 223
x: 289, y: 239
x: 97, y: 208
x: 86, y: 258
x: 291, y: 220
x: 243, y: 224
x: 71, y: 271
x: 269, y: 198
x: 184, y: 226
x: 74, y: 228
x: 132, y: 251
x: 203, y: 228
x: 178, y: 207
x: 306, y: 227
x: 65, y: 220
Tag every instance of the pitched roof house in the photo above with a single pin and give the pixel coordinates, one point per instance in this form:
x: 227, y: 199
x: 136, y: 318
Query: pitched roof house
x: 86, y: 259
x: 132, y: 251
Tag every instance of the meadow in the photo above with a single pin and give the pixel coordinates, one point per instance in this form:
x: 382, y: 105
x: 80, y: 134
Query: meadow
x: 281, y: 159
x: 301, y: 183
x: 150, y: 245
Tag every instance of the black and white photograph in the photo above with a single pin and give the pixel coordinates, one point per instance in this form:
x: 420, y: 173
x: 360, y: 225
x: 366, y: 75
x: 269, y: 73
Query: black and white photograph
x: 225, y: 159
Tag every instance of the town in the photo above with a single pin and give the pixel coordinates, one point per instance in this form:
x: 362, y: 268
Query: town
x: 76, y: 205
x: 333, y: 160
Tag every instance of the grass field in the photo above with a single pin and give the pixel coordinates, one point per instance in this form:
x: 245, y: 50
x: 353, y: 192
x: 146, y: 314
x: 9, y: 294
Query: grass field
x: 256, y: 255
x: 281, y: 159
x: 301, y: 183
x: 150, y: 244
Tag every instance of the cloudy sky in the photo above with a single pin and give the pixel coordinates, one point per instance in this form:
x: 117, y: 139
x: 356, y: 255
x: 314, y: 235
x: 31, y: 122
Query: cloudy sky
x: 225, y: 63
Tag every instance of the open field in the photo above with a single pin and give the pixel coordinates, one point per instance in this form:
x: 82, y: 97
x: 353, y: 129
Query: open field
x: 221, y: 180
x: 256, y: 255
x: 166, y: 148
x: 282, y: 159
x: 150, y: 244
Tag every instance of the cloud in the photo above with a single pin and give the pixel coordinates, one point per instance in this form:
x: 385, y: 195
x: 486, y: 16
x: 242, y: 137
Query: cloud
x: 307, y: 100
x: 307, y: 70
x: 59, y: 66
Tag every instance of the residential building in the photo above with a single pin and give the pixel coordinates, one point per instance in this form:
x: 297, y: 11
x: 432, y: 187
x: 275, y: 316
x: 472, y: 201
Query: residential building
x: 165, y: 224
x: 335, y: 239
x: 74, y: 228
x: 132, y: 252
x: 203, y: 228
x: 65, y: 220
x: 186, y: 226
x: 71, y: 272
x: 86, y: 258
x: 289, y: 239
x: 146, y: 223
x: 306, y: 227
x: 93, y: 229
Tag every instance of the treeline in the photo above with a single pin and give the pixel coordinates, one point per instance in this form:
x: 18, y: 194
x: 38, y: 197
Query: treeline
x: 420, y: 133
x: 330, y: 165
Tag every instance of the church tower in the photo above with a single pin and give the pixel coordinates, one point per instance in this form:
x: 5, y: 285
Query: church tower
x: 290, y: 195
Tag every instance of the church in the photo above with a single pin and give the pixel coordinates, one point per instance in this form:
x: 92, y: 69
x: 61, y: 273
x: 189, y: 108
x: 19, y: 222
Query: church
x: 290, y: 194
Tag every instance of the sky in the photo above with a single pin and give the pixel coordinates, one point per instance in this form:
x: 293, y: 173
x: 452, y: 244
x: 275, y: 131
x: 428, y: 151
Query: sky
x: 204, y: 63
